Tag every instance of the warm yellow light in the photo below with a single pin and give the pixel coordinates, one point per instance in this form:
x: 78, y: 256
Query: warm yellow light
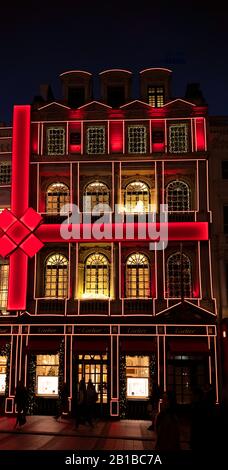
x: 88, y: 295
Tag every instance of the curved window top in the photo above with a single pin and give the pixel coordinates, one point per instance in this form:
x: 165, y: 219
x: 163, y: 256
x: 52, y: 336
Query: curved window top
x: 137, y: 186
x: 97, y: 186
x: 178, y: 196
x: 97, y: 259
x: 137, y: 259
x: 57, y: 260
x: 57, y: 188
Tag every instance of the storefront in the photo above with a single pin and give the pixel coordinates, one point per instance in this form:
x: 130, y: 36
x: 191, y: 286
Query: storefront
x: 122, y: 361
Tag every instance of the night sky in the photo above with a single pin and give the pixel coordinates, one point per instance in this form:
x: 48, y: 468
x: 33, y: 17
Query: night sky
x: 41, y: 39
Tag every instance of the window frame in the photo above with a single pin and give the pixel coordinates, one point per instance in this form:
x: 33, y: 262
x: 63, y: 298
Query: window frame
x: 56, y: 280
x: 87, y: 292
x: 139, y: 276
x: 173, y: 198
x: 62, y: 150
x: 181, y: 282
x: 60, y: 204
x: 180, y: 125
x: 90, y: 144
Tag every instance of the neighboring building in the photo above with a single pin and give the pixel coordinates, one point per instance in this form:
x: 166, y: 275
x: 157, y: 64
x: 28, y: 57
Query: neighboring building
x: 218, y: 171
x: 111, y: 310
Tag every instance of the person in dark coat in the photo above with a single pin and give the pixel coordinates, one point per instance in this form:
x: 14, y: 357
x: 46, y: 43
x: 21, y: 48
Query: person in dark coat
x: 21, y: 400
x: 81, y: 404
x: 63, y: 401
x: 154, y: 404
x: 167, y: 425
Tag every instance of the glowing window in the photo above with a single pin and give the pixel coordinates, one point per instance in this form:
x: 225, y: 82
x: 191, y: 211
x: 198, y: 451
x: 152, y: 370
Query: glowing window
x: 137, y: 136
x: 56, y: 140
x: 137, y: 276
x: 96, y: 193
x: 179, y: 276
x: 178, y: 138
x: 47, y: 374
x: 156, y: 96
x: 5, y: 173
x: 57, y: 196
x: 4, y: 276
x: 97, y: 276
x: 56, y: 276
x: 178, y: 196
x: 95, y: 368
x: 3, y: 370
x: 137, y: 374
x: 137, y: 197
x: 96, y: 140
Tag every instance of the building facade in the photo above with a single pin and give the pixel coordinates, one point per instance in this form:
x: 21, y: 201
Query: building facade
x: 218, y: 167
x: 125, y: 309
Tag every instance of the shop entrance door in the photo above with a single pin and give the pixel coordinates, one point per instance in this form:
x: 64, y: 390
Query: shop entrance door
x: 95, y: 367
x: 186, y: 373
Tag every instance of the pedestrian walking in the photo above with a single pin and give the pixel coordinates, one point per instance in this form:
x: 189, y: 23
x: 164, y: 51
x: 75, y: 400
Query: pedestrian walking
x: 63, y: 407
x: 91, y: 398
x: 80, y: 404
x: 153, y: 404
x: 167, y: 425
x: 21, y: 400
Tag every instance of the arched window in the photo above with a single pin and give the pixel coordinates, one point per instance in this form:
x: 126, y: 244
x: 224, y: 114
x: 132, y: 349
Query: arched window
x: 178, y: 196
x: 137, y: 197
x: 96, y: 276
x: 96, y: 193
x: 137, y: 276
x: 57, y: 196
x: 4, y: 276
x: 179, y: 275
x: 56, y: 276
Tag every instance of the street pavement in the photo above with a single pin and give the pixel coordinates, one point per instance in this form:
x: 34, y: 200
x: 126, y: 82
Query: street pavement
x: 45, y: 433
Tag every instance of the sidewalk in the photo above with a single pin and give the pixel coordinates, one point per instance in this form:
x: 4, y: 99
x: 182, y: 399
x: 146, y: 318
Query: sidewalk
x: 114, y: 434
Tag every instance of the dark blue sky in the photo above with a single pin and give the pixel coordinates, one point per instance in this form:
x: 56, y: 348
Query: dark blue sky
x: 41, y: 39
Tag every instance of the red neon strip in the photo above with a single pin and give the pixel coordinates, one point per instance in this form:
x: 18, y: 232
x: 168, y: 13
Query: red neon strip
x: 20, y: 160
x: 19, y: 203
x: 195, y: 231
x: 18, y: 281
x: 200, y: 135
x: 116, y: 136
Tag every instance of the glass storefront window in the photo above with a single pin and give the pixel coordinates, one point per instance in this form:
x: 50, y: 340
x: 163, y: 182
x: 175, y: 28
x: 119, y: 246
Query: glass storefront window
x: 3, y: 366
x: 47, y: 374
x: 137, y: 373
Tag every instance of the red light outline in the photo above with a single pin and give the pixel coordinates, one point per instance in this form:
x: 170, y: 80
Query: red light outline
x: 19, y: 203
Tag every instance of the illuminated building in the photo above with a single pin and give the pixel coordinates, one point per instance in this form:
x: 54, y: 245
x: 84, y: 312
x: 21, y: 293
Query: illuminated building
x: 219, y: 205
x: 110, y: 309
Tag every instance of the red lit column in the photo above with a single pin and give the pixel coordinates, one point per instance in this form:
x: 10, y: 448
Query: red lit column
x: 19, y: 203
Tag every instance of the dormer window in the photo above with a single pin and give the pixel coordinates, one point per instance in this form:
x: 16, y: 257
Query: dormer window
x: 156, y: 96
x: 76, y: 96
x: 115, y: 96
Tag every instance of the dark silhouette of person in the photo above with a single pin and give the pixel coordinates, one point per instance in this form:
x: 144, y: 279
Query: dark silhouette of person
x: 81, y: 404
x: 204, y: 420
x: 63, y: 401
x: 21, y: 400
x: 91, y: 398
x: 167, y: 425
x: 154, y: 402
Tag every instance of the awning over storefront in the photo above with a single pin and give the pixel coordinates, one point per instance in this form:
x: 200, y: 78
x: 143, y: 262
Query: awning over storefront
x: 138, y: 345
x: 91, y: 345
x: 42, y: 344
x: 187, y: 345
